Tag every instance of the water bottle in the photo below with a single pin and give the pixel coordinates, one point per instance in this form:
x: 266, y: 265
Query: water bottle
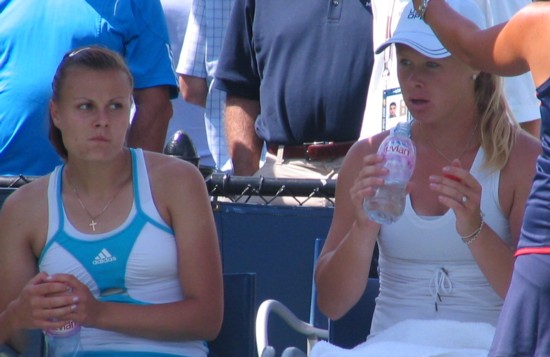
x: 388, y: 202
x: 64, y: 341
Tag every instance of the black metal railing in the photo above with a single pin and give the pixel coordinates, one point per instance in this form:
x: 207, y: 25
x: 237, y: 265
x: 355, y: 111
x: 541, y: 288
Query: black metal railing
x: 242, y: 188
x: 15, y: 181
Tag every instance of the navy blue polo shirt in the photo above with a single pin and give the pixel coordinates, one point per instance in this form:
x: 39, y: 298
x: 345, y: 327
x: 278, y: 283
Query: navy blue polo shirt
x: 308, y: 62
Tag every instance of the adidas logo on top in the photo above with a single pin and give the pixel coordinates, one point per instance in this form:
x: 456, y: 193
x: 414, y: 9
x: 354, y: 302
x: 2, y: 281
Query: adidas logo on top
x: 104, y: 257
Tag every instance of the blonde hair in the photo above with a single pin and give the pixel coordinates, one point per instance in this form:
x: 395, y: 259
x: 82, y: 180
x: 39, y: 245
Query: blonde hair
x: 498, y: 126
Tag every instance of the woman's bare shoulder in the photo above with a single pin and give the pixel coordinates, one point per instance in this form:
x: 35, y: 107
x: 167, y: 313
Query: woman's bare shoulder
x: 529, y: 31
x: 169, y: 174
x: 368, y: 145
x: 524, y: 154
x: 25, y: 211
x: 164, y: 165
x: 355, y: 156
x: 526, y: 145
x: 28, y: 196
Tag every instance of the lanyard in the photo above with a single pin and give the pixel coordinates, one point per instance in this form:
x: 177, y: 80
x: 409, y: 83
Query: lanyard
x: 388, y: 53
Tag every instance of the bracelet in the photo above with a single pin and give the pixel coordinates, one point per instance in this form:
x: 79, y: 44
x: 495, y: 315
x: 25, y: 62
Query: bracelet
x: 470, y: 238
x: 421, y: 11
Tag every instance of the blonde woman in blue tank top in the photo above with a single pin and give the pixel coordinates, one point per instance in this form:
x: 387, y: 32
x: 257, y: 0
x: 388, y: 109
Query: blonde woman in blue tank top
x: 120, y: 241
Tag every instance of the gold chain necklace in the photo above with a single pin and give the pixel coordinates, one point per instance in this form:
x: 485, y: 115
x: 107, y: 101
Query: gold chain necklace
x: 93, y: 218
x: 468, y: 145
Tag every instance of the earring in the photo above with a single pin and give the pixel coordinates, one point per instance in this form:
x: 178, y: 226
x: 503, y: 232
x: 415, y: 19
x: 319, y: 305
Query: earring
x: 474, y: 77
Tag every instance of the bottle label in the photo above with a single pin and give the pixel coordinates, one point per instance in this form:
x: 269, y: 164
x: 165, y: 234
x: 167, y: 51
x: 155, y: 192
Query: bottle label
x: 68, y: 329
x: 399, y: 158
x: 397, y: 147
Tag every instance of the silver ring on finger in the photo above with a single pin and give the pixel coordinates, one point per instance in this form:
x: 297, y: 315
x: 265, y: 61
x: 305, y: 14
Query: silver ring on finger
x: 464, y: 199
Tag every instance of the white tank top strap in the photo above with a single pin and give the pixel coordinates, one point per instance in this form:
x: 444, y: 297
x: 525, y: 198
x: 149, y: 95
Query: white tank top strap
x: 55, y: 219
x: 143, y: 195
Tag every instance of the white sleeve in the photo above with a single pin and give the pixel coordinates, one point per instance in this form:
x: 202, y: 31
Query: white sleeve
x: 192, y: 57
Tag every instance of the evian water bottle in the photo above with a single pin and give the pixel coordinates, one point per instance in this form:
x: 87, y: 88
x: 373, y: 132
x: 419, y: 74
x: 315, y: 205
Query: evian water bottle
x: 388, y: 202
x: 64, y: 341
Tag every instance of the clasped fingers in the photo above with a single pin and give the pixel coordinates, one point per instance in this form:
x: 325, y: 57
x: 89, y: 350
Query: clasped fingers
x: 41, y: 302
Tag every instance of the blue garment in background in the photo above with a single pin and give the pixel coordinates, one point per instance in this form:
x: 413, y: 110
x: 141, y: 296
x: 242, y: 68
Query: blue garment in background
x: 34, y: 36
x: 308, y: 62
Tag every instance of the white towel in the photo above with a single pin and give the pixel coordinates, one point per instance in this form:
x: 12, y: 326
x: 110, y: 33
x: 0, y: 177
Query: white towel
x: 419, y: 338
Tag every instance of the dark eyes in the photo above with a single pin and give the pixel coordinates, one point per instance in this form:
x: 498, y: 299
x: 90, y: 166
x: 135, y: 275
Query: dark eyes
x: 116, y: 106
x: 85, y: 106
x: 90, y: 106
x: 405, y: 63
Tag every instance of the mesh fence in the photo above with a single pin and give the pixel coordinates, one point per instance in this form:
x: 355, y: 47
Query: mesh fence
x: 242, y: 188
x: 15, y: 181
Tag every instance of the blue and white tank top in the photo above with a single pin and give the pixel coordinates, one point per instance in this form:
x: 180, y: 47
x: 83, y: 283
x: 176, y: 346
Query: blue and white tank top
x: 135, y: 263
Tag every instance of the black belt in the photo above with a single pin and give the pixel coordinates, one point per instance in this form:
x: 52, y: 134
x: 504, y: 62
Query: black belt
x: 314, y: 151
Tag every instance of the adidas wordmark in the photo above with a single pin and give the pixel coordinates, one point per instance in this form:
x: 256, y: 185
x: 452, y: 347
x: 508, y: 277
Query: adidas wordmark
x: 104, y: 257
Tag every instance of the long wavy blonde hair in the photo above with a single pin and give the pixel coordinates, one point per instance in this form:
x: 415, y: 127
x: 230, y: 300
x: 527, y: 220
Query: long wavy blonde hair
x: 498, y: 125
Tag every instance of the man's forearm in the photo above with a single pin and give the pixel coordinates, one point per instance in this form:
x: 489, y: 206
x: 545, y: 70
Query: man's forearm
x: 244, y: 146
x: 150, y: 122
x: 193, y: 89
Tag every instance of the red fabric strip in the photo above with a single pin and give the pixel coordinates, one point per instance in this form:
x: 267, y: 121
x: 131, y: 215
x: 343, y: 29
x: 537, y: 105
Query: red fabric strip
x: 532, y: 250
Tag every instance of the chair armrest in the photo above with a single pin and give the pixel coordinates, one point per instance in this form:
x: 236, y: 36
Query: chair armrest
x: 313, y: 334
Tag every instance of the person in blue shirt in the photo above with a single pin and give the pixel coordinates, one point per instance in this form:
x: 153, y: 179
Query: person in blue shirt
x: 296, y: 75
x: 35, y: 34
